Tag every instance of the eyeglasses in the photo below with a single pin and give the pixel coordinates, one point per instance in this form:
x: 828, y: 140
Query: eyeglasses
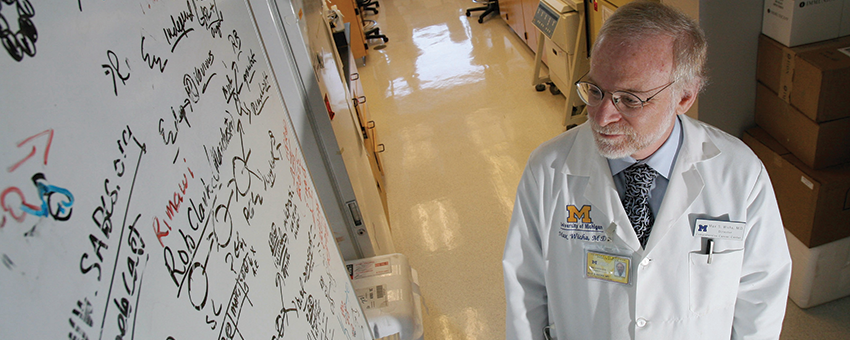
x: 627, y: 103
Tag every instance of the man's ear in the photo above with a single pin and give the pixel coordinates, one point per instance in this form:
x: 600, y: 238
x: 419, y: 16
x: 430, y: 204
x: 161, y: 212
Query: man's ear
x: 687, y: 97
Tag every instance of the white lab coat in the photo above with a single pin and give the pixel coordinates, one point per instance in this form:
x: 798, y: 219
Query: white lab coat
x: 674, y: 293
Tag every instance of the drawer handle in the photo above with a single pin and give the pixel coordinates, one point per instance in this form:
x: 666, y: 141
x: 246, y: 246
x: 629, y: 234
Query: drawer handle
x: 370, y: 124
x: 361, y: 99
x: 355, y: 76
x: 383, y: 148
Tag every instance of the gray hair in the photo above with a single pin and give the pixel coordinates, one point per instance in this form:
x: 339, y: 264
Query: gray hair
x: 642, y: 19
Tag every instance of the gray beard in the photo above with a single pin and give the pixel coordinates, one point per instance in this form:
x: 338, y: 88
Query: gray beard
x: 627, y: 147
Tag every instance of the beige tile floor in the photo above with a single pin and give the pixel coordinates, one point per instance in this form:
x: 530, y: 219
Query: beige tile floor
x: 453, y: 103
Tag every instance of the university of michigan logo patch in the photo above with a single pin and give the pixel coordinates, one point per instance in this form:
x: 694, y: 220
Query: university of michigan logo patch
x: 579, y: 225
x: 574, y: 214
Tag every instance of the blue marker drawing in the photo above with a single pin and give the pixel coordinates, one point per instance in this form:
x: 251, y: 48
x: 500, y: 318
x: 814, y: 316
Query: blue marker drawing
x: 45, y: 193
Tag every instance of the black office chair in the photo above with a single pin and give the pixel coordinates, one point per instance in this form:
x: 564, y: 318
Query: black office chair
x: 370, y: 27
x: 368, y: 5
x: 491, y: 7
x: 372, y: 31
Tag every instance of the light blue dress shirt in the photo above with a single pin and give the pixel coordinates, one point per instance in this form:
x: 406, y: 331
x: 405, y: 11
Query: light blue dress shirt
x: 661, y: 161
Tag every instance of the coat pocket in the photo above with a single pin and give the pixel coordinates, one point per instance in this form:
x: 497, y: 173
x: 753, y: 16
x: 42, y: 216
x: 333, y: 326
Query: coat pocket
x: 714, y: 285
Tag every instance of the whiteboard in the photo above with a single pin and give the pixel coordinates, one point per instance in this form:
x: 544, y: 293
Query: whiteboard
x: 151, y: 183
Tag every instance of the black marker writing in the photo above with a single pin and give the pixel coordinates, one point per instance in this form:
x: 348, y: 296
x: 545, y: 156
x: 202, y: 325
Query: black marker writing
x: 209, y: 17
x: 113, y: 68
x: 248, y: 74
x: 215, y: 154
x: 178, y: 29
x: 328, y: 287
x: 316, y: 317
x: 199, y: 78
x: 126, y: 301
x: 21, y: 42
x: 82, y: 314
x: 282, y: 319
x: 178, y: 116
x: 235, y: 42
x: 103, y: 214
x: 152, y: 60
x: 279, y: 245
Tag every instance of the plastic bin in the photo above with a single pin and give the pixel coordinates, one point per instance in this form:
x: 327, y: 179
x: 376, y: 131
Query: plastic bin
x: 388, y: 291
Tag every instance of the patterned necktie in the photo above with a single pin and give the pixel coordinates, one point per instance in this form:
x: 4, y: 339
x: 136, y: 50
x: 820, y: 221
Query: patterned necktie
x: 639, y: 179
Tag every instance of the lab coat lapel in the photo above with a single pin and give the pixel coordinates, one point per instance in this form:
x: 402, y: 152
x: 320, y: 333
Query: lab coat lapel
x: 584, y: 161
x: 686, y: 182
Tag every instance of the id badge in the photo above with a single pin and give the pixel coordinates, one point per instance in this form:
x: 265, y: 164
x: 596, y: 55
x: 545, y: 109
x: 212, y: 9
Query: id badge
x: 724, y: 230
x: 608, y: 267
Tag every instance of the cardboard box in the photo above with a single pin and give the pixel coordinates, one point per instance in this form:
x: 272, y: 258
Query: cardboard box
x: 813, y: 78
x: 817, y: 145
x: 815, y: 204
x: 820, y: 274
x: 798, y: 22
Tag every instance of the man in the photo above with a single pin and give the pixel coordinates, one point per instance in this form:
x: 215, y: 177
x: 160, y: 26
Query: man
x: 688, y: 209
x: 621, y: 269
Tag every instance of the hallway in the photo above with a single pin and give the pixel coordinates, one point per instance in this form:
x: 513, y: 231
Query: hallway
x: 453, y: 103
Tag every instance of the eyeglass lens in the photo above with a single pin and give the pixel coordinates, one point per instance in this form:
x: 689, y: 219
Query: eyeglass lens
x: 592, y: 95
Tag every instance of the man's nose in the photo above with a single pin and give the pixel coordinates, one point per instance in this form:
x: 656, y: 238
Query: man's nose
x: 605, y: 113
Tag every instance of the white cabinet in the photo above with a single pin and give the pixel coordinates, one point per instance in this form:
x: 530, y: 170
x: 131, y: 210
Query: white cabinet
x: 517, y: 14
x: 355, y: 136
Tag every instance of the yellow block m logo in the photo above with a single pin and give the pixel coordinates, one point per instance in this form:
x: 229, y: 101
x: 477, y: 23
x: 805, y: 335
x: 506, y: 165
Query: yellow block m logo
x: 576, y: 214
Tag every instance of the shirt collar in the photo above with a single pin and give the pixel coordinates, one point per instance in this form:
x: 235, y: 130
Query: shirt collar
x: 661, y: 161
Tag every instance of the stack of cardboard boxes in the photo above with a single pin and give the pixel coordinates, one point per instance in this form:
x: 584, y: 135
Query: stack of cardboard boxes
x: 803, y: 139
